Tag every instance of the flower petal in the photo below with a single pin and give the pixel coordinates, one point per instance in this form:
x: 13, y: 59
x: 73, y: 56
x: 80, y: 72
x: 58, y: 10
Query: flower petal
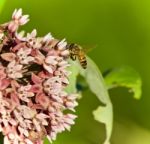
x: 36, y: 79
x: 8, y: 56
x: 48, y: 68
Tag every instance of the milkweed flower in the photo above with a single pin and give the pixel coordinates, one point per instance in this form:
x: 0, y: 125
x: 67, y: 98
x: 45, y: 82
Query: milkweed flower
x: 33, y: 78
x: 17, y: 20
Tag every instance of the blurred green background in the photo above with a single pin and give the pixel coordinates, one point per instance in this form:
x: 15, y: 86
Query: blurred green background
x: 121, y: 29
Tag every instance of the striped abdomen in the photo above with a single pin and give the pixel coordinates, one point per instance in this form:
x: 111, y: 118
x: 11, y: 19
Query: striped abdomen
x: 82, y: 59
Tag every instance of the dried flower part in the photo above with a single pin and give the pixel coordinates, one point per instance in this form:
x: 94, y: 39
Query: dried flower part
x: 33, y: 78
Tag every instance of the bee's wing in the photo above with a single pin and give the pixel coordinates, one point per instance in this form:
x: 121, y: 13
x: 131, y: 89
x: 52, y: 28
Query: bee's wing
x: 88, y: 48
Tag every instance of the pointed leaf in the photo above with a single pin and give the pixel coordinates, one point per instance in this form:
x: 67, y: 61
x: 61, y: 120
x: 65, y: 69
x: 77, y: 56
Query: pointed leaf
x: 125, y: 76
x: 103, y: 114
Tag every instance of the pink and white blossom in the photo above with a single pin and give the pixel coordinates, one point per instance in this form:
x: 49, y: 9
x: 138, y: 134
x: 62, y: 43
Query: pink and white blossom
x: 14, y: 70
x: 20, y: 36
x: 53, y: 86
x: 33, y: 78
x: 46, y: 39
x: 32, y: 41
x: 24, y: 57
x: 24, y: 93
x: 17, y: 20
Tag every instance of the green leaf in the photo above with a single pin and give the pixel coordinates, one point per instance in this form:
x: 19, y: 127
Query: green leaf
x: 95, y: 81
x: 71, y: 88
x: 103, y: 114
x: 125, y: 77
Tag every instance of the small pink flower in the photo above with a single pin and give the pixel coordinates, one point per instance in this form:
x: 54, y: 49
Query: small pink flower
x: 49, y: 63
x: 46, y: 40
x: 32, y: 41
x: 53, y: 86
x: 62, y: 44
x: 68, y: 120
x: 54, y: 107
x: 11, y: 136
x: 17, y: 20
x: 14, y: 70
x: 24, y: 93
x: 23, y: 56
x: 62, y: 48
x: 69, y: 101
x: 26, y: 112
x: 20, y: 36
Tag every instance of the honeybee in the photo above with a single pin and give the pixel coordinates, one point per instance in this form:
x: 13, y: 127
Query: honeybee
x: 76, y: 51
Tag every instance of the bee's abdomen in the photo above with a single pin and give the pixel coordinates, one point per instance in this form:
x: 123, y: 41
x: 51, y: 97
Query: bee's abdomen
x: 83, y: 62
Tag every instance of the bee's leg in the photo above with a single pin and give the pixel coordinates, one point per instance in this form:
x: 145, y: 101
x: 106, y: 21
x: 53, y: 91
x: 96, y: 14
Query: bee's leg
x: 73, y: 57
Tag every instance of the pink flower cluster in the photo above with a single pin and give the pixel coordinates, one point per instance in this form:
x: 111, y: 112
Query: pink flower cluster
x: 33, y: 78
